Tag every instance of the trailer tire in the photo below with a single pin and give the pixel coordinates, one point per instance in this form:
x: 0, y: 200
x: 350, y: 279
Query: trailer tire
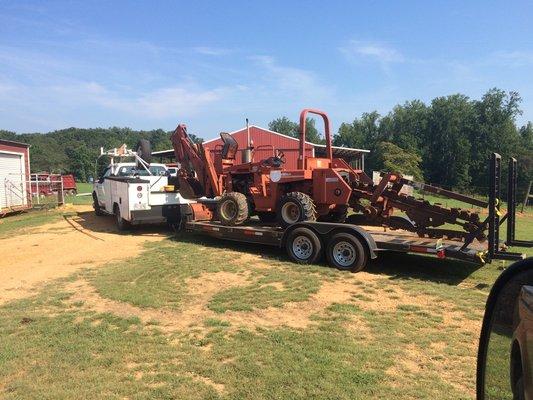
x: 295, y: 207
x: 337, y: 215
x: 346, y: 251
x: 122, y: 224
x: 232, y: 209
x: 303, y: 246
x: 144, y: 150
x: 97, y: 209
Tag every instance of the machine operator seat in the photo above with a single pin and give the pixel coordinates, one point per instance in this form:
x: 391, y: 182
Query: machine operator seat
x: 229, y: 150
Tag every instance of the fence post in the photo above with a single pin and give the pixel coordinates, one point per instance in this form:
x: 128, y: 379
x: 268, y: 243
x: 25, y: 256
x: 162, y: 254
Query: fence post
x: 60, y: 195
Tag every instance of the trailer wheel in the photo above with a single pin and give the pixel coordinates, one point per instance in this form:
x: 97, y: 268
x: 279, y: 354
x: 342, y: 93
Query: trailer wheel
x: 303, y: 246
x: 345, y: 251
x: 97, y: 209
x: 296, y: 207
x: 232, y: 209
x: 122, y: 224
x: 144, y: 150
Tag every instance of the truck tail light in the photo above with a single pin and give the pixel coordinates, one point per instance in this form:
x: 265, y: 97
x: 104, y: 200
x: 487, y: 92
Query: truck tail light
x: 139, y: 188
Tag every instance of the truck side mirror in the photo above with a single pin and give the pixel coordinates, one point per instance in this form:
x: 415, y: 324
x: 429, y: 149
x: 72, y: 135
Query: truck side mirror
x: 505, y: 355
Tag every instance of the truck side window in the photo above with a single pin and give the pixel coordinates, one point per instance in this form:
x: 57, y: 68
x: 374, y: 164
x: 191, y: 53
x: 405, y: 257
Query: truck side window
x: 106, y: 173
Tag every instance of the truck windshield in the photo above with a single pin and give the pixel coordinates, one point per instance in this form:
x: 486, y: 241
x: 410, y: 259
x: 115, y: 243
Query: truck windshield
x: 131, y: 170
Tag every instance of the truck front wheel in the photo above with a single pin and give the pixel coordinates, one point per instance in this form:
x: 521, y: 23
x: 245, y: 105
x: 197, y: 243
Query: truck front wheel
x: 97, y: 209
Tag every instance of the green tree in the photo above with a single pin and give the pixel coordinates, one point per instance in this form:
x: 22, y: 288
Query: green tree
x: 285, y: 126
x: 392, y: 158
x: 81, y: 161
x: 451, y: 122
x: 524, y: 155
x: 406, y: 126
x: 363, y: 133
x: 194, y: 138
x: 495, y: 131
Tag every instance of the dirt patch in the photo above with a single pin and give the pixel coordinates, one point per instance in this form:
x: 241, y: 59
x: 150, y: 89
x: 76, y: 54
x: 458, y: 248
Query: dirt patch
x: 416, y: 361
x: 194, y: 311
x: 57, y: 250
x: 219, y: 387
x: 294, y: 314
x: 385, y: 298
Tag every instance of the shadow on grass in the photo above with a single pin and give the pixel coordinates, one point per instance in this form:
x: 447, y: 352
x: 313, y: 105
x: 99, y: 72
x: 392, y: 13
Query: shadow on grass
x: 405, y: 266
x: 106, y: 224
x: 394, y: 265
x: 260, y: 250
x: 391, y: 264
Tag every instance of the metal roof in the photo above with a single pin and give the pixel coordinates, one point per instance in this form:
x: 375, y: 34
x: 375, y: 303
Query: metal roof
x: 291, y: 138
x: 12, y: 142
x: 320, y: 149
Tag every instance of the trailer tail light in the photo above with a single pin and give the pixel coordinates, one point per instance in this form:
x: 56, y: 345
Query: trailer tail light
x: 441, y: 253
x: 139, y: 188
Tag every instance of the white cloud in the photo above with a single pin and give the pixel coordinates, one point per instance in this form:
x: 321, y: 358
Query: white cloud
x: 280, y: 80
x: 517, y: 58
x: 211, y: 51
x: 357, y: 51
x: 160, y: 103
x: 166, y: 102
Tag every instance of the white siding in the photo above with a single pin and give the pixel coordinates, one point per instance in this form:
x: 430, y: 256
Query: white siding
x: 12, y: 180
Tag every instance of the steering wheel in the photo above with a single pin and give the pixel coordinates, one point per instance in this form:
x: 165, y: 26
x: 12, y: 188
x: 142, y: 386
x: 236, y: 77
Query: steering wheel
x: 280, y: 156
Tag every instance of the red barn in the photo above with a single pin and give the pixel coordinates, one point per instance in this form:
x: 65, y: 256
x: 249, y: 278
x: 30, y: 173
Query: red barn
x: 14, y: 176
x: 265, y: 141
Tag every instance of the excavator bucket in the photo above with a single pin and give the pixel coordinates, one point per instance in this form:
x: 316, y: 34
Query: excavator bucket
x: 190, y: 188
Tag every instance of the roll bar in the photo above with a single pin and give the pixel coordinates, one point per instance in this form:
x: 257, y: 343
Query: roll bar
x: 327, y: 134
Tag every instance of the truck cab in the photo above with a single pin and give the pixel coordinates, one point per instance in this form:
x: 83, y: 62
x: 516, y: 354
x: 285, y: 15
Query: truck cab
x: 136, y: 195
x: 158, y: 179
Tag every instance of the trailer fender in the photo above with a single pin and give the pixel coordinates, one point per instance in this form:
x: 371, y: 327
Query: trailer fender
x: 326, y: 229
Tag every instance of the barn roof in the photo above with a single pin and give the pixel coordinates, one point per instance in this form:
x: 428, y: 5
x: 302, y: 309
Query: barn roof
x: 320, y: 149
x: 13, y: 143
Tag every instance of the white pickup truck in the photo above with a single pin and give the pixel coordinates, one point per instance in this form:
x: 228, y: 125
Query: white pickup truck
x: 136, y: 193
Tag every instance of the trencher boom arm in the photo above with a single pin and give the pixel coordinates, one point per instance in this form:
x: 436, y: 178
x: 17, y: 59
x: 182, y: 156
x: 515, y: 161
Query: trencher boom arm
x: 197, y: 168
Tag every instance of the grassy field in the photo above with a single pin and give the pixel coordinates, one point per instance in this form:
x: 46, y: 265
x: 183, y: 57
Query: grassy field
x: 83, y: 188
x: 22, y: 222
x: 193, y: 317
x: 196, y: 318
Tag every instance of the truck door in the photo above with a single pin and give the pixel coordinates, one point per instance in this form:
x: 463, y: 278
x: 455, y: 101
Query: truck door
x: 100, y: 187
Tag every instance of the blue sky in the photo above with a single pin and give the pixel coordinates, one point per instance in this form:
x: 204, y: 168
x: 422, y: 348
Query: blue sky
x: 155, y: 64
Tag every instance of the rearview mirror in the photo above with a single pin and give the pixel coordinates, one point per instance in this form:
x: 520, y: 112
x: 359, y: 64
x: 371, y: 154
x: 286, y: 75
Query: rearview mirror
x: 505, y: 355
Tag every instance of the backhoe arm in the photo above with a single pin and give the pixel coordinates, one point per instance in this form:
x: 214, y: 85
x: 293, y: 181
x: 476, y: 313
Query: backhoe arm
x: 197, y: 168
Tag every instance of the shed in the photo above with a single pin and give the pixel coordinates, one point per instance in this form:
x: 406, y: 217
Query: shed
x: 265, y: 141
x: 14, y: 176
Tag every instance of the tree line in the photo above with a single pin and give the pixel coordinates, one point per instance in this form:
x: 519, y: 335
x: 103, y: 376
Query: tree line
x: 446, y: 142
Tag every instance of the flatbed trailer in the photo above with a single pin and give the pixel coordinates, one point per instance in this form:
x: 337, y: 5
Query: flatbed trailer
x: 345, y: 246
x: 349, y: 246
